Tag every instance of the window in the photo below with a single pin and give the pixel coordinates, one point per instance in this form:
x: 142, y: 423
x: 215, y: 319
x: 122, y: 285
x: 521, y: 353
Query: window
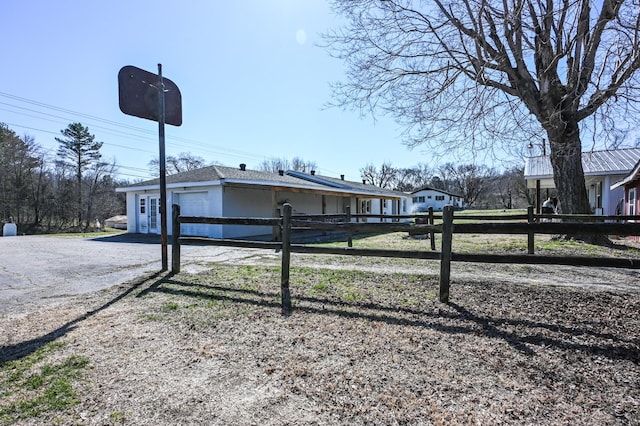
x: 404, y: 205
x: 632, y: 202
x: 384, y: 204
x: 142, y: 205
x: 439, y: 197
x: 429, y: 197
x: 421, y: 199
x: 414, y: 199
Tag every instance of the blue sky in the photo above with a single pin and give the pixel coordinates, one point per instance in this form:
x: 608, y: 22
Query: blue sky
x: 253, y: 80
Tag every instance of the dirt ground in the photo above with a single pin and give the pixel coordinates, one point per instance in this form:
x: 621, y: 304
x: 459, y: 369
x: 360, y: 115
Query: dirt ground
x: 367, y: 343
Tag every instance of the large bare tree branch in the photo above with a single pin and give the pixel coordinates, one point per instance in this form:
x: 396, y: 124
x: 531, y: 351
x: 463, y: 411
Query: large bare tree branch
x: 484, y: 75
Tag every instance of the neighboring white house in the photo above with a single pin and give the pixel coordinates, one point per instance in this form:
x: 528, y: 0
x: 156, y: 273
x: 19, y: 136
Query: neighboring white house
x: 240, y: 192
x: 601, y: 170
x: 427, y: 196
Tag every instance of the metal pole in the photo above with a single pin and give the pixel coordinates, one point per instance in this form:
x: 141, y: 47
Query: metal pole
x: 163, y: 172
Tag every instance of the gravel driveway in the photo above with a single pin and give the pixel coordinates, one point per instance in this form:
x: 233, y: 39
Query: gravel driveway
x: 35, y: 269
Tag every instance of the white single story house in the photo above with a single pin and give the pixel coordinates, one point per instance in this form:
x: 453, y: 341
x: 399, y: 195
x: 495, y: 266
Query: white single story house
x: 239, y: 192
x: 427, y: 196
x: 601, y: 170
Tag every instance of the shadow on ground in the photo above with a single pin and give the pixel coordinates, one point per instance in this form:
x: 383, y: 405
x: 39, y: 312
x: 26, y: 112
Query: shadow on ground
x: 19, y: 350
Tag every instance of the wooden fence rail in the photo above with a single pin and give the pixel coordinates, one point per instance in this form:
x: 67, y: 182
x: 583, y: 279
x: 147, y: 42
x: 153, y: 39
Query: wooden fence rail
x: 529, y: 224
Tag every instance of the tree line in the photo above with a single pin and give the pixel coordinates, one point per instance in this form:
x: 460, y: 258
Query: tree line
x: 479, y: 186
x: 72, y: 189
x: 67, y: 191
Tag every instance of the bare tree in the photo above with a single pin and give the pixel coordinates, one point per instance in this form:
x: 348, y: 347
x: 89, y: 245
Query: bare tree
x: 99, y: 174
x: 383, y: 178
x: 470, y: 180
x: 506, y: 190
x: 183, y: 162
x: 405, y: 179
x: 412, y: 178
x: 468, y: 75
x: 298, y: 164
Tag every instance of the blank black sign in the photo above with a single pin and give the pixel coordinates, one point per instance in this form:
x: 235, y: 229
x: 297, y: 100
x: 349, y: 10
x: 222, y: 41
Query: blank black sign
x: 139, y: 93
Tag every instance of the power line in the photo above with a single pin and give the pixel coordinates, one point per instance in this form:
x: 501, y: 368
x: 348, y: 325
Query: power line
x: 171, y: 140
x: 126, y: 131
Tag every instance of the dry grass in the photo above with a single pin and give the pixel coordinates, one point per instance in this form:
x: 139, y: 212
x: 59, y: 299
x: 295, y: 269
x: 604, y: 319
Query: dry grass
x: 367, y: 343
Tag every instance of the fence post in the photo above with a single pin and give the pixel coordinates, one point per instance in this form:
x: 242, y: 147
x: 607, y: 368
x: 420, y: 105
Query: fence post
x: 350, y: 231
x: 175, y: 239
x: 445, y: 254
x: 432, y: 235
x: 530, y: 234
x: 286, y: 259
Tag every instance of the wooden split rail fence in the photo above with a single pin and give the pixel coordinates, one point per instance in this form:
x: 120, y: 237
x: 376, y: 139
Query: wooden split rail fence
x: 529, y: 224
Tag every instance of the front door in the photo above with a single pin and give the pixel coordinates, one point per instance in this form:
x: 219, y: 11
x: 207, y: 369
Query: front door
x: 154, y: 215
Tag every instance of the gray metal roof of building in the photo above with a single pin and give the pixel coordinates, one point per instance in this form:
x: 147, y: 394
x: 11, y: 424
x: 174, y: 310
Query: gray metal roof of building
x: 347, y: 184
x: 619, y: 161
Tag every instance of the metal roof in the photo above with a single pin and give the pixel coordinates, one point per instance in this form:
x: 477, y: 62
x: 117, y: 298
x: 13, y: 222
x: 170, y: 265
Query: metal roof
x: 349, y: 185
x: 611, y: 162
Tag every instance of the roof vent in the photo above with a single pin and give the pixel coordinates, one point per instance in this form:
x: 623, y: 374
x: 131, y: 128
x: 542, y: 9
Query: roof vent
x: 281, y: 172
x: 313, y: 172
x: 364, y: 181
x: 341, y: 177
x: 243, y: 166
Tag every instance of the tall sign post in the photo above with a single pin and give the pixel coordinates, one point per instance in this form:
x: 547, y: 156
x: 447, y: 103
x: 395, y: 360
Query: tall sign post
x: 163, y: 171
x: 146, y: 95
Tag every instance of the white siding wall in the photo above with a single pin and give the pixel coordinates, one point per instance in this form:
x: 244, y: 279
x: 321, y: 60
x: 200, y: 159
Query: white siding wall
x: 245, y: 202
x: 132, y: 224
x: 195, y: 203
x: 241, y: 202
x: 437, y: 205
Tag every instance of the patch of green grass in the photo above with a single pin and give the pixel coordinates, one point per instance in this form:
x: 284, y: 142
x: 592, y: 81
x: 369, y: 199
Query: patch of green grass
x: 525, y: 269
x: 350, y: 293
x: 30, y: 386
x: 170, y: 306
x: 552, y: 245
x: 319, y: 287
x: 118, y: 417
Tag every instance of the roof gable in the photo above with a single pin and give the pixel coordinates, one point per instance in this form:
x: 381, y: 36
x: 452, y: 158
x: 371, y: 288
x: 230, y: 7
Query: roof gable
x: 429, y: 188
x: 631, y: 177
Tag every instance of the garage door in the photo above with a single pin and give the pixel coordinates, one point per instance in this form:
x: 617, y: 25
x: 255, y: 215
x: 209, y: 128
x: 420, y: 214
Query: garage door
x: 194, y: 204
